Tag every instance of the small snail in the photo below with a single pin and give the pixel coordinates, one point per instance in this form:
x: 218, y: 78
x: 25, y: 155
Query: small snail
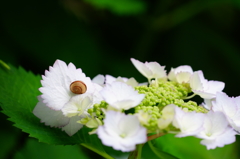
x: 78, y: 87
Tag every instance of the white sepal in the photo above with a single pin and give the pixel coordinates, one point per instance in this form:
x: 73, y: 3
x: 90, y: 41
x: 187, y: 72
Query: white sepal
x: 56, y: 84
x: 230, y: 106
x: 189, y: 123
x: 181, y: 74
x: 216, y: 132
x: 122, y: 132
x: 53, y: 118
x: 73, y: 126
x: 150, y: 69
x: 204, y: 88
x: 121, y: 96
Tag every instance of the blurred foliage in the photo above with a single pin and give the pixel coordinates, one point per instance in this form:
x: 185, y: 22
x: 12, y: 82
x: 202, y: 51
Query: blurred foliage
x: 100, y: 36
x: 121, y: 7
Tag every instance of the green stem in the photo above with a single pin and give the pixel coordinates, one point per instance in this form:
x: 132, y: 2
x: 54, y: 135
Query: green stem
x: 137, y: 153
x: 189, y: 97
x: 4, y: 65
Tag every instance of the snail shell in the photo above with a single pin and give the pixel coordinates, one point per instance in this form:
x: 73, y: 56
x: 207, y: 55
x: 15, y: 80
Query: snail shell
x: 78, y: 87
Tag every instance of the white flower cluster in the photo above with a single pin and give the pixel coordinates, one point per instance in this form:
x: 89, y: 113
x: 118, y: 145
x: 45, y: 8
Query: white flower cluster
x: 218, y: 127
x: 67, y: 95
x: 60, y: 106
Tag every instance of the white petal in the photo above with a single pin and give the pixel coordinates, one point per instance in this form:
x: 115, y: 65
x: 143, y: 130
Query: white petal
x: 183, y: 77
x: 77, y: 105
x: 225, y: 138
x: 113, y: 141
x: 99, y: 79
x: 72, y: 127
x: 157, y: 70
x: 205, y: 95
x: 168, y: 113
x: 196, y: 80
x: 206, y: 89
x: 131, y: 127
x: 230, y: 107
x: 132, y: 82
x: 181, y: 74
x: 215, y: 123
x: 142, y: 68
x: 124, y: 104
x: 48, y: 116
x: 121, y: 95
x: 226, y: 104
x: 215, y: 86
x: 208, y: 103
x: 122, y: 132
x: 110, y: 79
x: 189, y: 123
x: 171, y: 75
x: 184, y: 68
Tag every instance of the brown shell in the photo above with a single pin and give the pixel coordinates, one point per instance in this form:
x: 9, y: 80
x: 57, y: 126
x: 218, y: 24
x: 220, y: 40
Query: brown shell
x: 78, y: 87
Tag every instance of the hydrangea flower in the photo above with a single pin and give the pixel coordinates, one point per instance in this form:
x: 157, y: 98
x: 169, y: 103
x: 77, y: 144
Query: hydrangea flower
x: 58, y: 106
x: 56, y: 82
x: 150, y: 69
x: 121, y: 96
x: 230, y: 106
x: 122, y: 132
x: 189, y: 123
x: 129, y: 81
x: 77, y: 106
x: 204, y: 88
x: 181, y: 74
x: 108, y: 79
x: 216, y: 132
x: 70, y: 100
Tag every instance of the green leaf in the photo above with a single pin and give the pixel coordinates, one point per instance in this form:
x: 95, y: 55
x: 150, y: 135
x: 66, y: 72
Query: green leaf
x: 36, y: 150
x: 9, y: 135
x: 19, y: 91
x: 190, y: 147
x: 121, y: 7
x: 161, y: 154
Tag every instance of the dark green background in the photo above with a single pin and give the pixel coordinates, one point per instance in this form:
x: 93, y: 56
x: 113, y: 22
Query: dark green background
x: 101, y: 38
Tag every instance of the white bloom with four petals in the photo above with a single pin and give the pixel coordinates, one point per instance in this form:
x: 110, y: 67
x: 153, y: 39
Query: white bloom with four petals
x: 204, y: 88
x: 121, y: 96
x: 58, y: 106
x: 150, y: 69
x: 122, y: 132
x: 216, y: 132
x: 108, y: 79
x: 230, y: 106
x: 189, y: 123
x: 56, y: 84
x: 181, y: 74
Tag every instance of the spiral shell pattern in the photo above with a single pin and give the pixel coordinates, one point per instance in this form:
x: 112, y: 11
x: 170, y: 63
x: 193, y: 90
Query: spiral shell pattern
x: 78, y: 87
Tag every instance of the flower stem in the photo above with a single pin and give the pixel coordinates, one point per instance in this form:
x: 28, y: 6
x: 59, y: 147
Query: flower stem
x: 189, y: 97
x: 155, y: 136
x: 137, y: 153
